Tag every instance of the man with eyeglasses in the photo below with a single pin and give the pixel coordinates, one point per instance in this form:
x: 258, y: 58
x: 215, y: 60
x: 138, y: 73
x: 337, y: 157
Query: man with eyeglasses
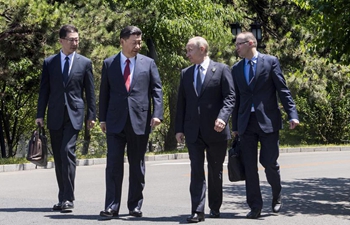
x: 257, y: 118
x: 65, y: 76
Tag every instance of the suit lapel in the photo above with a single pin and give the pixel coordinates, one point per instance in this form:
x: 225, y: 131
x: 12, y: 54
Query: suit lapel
x: 259, y: 66
x: 74, y: 66
x: 137, y: 66
x: 208, y: 76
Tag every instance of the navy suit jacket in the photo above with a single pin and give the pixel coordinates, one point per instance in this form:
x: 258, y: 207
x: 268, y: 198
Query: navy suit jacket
x: 198, y: 113
x: 116, y: 103
x: 267, y: 82
x: 52, y: 89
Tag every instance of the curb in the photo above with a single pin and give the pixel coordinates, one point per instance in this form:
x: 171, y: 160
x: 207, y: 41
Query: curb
x: 99, y: 161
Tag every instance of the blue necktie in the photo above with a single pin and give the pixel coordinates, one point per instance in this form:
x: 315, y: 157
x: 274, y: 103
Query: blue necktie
x: 199, y: 80
x: 65, y: 70
x: 251, y: 72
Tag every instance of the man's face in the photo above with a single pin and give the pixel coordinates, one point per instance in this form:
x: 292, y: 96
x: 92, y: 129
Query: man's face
x: 194, y: 53
x: 242, y: 46
x: 70, y: 43
x: 131, y: 46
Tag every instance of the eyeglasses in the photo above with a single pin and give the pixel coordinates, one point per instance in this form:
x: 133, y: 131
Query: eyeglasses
x: 241, y: 43
x: 72, y: 39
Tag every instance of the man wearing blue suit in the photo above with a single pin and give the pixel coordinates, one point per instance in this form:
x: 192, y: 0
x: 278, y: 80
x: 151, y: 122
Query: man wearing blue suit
x: 257, y: 118
x: 130, y: 89
x: 205, y: 102
x: 65, y: 77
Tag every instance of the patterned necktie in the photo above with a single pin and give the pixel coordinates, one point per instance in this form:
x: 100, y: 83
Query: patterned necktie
x: 199, y: 80
x: 65, y: 70
x: 127, y: 74
x: 251, y: 73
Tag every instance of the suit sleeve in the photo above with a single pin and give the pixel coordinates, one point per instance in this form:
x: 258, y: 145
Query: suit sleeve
x: 90, y: 92
x: 104, y: 94
x: 237, y: 101
x: 180, y: 108
x: 283, y: 91
x: 44, y: 91
x: 156, y: 92
x: 228, y: 93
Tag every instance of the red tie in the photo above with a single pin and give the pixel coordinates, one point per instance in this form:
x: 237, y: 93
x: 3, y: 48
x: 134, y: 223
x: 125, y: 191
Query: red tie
x: 127, y: 75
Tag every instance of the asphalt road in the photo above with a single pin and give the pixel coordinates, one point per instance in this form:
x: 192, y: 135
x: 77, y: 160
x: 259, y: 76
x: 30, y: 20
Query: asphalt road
x: 316, y: 190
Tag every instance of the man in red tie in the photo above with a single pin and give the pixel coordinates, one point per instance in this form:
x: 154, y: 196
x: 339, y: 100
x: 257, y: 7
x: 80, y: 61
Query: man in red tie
x: 130, y: 83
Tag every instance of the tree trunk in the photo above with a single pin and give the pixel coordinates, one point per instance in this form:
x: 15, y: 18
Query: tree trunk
x: 170, y: 142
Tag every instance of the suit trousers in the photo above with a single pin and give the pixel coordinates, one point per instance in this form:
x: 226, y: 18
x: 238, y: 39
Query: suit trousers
x: 269, y: 153
x: 63, y: 142
x: 136, y: 149
x: 215, y: 153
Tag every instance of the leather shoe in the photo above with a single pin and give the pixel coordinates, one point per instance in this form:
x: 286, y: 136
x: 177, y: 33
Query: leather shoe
x: 108, y: 213
x: 214, y: 214
x: 254, y: 213
x: 67, y: 206
x: 196, y: 217
x: 276, y: 204
x: 57, y: 207
x: 136, y: 213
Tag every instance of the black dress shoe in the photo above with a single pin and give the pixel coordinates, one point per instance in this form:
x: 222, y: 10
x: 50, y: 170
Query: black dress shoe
x: 276, y: 204
x: 67, y: 206
x: 196, y: 217
x: 57, y: 207
x: 108, y: 213
x: 214, y: 214
x: 254, y: 214
x: 136, y: 213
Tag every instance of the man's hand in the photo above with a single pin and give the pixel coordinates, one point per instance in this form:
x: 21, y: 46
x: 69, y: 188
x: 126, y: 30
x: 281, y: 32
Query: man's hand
x: 40, y: 121
x: 293, y: 123
x: 155, y: 122
x: 90, y: 124
x: 219, y: 125
x: 180, y: 137
x: 103, y: 127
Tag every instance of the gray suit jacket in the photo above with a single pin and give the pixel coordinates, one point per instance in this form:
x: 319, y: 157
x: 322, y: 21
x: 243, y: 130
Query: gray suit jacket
x: 267, y: 82
x: 216, y: 100
x: 52, y: 89
x: 116, y: 103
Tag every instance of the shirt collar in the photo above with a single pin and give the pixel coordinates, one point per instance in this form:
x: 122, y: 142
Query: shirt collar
x: 63, y: 56
x: 205, y: 63
x: 123, y: 58
x: 254, y: 59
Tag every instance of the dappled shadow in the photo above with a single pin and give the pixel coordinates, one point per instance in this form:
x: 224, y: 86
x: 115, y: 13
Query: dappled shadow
x: 319, y: 196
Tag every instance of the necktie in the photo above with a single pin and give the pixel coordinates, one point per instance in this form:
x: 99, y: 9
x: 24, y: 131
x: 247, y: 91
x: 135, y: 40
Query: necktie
x: 127, y: 74
x: 65, y: 70
x: 199, y: 80
x: 251, y: 73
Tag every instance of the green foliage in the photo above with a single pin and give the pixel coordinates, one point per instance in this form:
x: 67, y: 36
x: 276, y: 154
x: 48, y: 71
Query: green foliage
x: 310, y: 38
x: 329, y: 23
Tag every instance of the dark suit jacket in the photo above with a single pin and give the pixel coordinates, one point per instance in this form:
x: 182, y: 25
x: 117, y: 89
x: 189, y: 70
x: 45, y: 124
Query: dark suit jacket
x: 216, y: 100
x: 116, y: 102
x: 52, y: 91
x: 268, y: 81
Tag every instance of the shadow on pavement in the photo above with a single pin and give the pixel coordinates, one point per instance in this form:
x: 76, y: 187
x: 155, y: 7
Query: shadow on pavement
x: 319, y: 196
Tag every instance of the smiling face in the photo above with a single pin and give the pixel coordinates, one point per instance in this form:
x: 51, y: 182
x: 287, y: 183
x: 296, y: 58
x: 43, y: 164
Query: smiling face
x: 195, y: 51
x: 69, y: 43
x: 131, y: 46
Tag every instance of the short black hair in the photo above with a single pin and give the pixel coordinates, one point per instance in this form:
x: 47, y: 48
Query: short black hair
x: 129, y: 30
x: 67, y: 29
